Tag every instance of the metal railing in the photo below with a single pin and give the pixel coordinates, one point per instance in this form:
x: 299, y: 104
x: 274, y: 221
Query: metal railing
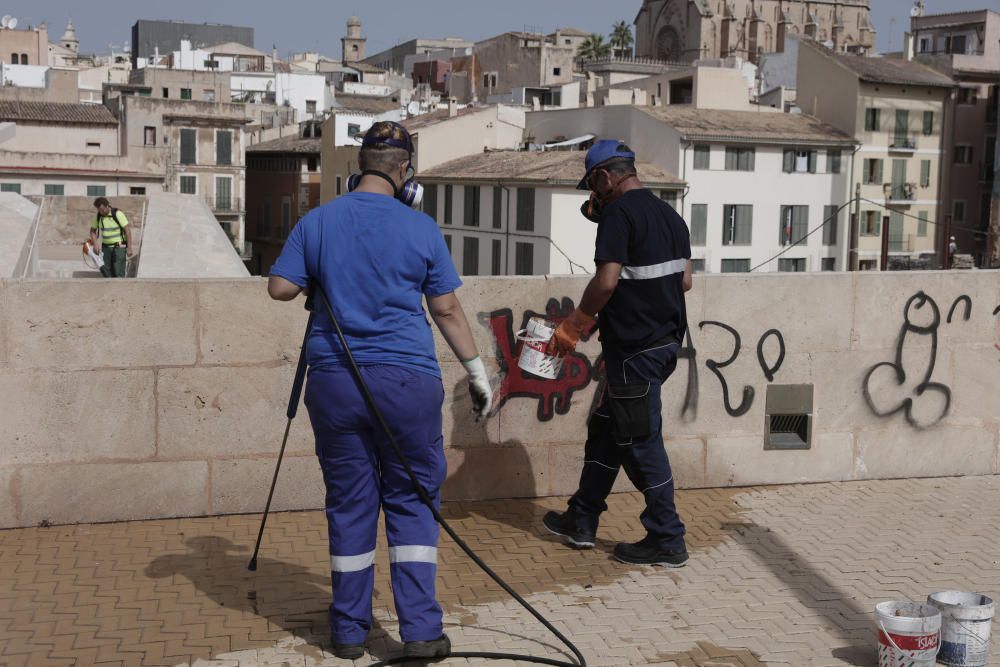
x: 899, y: 141
x: 224, y: 204
x: 900, y: 192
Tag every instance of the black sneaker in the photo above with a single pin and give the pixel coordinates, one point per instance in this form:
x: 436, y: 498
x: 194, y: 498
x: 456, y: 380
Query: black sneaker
x: 436, y: 648
x: 558, y: 523
x: 348, y: 651
x: 647, y: 552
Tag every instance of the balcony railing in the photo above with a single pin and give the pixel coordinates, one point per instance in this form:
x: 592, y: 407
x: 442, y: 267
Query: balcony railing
x: 902, y: 142
x: 901, y: 193
x: 219, y: 204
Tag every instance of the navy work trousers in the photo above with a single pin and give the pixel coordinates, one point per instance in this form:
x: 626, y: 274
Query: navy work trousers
x: 362, y: 473
x: 625, y: 431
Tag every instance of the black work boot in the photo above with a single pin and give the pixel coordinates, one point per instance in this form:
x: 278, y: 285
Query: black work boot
x: 647, y: 552
x: 348, y: 651
x: 561, y: 523
x: 435, y: 648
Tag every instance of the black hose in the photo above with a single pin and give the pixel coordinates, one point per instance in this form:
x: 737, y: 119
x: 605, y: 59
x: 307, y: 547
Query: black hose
x: 426, y: 500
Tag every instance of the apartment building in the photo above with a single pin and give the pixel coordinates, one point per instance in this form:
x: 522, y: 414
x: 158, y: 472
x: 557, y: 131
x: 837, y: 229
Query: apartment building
x: 283, y: 184
x: 758, y: 182
x: 896, y: 110
x: 966, y: 47
x: 513, y: 60
x: 518, y: 212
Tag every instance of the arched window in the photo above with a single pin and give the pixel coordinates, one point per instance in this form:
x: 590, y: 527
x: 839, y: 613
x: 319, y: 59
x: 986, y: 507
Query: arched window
x: 24, y: 58
x: 668, y: 44
x: 14, y: 59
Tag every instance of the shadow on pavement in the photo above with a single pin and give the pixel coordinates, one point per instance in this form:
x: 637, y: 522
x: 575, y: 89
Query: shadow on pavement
x: 847, y: 619
x: 281, y: 594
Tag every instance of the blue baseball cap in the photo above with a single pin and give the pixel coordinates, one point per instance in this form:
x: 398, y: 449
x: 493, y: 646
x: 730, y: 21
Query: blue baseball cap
x: 601, y: 152
x: 388, y: 133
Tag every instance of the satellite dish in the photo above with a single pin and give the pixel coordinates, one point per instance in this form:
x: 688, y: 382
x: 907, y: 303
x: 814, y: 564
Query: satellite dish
x: 413, y: 108
x: 5, y: 21
x: 12, y: 23
x: 914, y: 11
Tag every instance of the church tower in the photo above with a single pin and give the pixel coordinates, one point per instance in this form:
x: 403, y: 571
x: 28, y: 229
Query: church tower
x: 354, y: 44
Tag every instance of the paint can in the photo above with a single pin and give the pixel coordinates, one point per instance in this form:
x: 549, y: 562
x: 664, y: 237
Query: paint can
x: 965, y: 627
x: 535, y: 339
x: 909, y: 634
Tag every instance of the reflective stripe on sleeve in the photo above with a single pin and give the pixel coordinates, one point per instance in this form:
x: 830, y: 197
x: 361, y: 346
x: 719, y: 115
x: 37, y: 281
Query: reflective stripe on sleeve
x: 352, y: 563
x: 653, y: 270
x: 413, y: 554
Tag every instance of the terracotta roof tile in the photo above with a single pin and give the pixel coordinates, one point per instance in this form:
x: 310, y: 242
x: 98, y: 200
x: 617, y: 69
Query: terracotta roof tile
x: 759, y: 126
x: 55, y: 112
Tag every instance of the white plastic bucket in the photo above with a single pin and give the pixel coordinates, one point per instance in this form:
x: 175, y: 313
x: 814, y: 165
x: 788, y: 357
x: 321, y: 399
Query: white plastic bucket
x: 909, y: 634
x: 965, y: 627
x: 533, y: 357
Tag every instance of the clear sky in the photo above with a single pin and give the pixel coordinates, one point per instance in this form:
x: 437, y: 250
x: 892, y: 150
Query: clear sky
x: 318, y: 25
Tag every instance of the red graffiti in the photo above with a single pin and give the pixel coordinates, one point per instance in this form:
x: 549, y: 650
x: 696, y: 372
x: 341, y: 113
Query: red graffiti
x: 554, y: 396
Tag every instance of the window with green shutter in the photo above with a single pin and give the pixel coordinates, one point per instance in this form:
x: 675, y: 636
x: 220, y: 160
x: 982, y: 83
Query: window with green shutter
x: 699, y: 224
x: 471, y: 202
x: 470, y: 256
x: 10, y: 187
x: 430, y: 203
x: 525, y: 210
x: 223, y: 147
x: 497, y: 208
x: 794, y: 224
x: 524, y: 256
x: 831, y: 224
x: 53, y: 190
x: 925, y: 173
x: 922, y: 223
x: 189, y: 152
x: 97, y: 190
x: 872, y: 119
x: 702, y: 157
x: 448, y: 195
x: 735, y: 265
x: 928, y: 122
x: 497, y: 256
x: 737, y: 224
x: 833, y: 162
x: 740, y: 159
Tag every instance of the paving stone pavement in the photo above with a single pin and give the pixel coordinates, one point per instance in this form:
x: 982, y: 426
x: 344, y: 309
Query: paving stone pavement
x: 778, y: 576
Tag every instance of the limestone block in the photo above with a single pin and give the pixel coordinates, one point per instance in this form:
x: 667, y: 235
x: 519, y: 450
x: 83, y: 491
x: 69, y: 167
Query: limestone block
x: 839, y: 389
x: 5, y: 287
x: 526, y: 418
x: 511, y: 470
x: 742, y: 461
x: 881, y: 300
x: 687, y: 460
x: 85, y: 324
x: 812, y: 311
x: 80, y: 493
x: 241, y: 485
x: 935, y: 452
x: 976, y: 386
x: 8, y: 501
x: 460, y: 429
x: 228, y: 412
x: 239, y: 323
x: 77, y: 416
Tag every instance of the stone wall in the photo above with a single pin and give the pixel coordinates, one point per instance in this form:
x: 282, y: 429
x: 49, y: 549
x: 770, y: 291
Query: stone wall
x: 167, y: 398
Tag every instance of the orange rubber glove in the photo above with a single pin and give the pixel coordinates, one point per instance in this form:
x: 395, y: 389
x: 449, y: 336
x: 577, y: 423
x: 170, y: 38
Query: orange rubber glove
x: 568, y: 333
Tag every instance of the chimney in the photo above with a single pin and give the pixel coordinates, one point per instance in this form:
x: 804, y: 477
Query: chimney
x: 452, y: 107
x: 908, y: 45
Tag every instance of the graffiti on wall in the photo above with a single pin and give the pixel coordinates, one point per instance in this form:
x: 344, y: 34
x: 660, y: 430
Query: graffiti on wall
x: 554, y: 396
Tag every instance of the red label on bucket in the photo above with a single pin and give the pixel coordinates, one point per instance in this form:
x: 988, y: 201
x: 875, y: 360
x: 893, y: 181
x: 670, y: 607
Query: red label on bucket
x: 910, y: 642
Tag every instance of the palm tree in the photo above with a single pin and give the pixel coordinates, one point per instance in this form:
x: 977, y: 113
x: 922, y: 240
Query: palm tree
x: 621, y: 39
x: 593, y: 47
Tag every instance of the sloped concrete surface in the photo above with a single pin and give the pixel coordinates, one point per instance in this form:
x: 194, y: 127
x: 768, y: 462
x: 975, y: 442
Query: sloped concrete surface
x: 184, y: 240
x: 16, y: 217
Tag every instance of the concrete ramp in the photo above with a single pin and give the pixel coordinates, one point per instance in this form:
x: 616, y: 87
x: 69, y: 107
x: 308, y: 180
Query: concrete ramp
x: 17, y: 217
x: 182, y: 239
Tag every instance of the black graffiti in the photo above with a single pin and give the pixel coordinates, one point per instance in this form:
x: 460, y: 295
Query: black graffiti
x: 689, y: 411
x: 996, y: 311
x: 714, y: 366
x: 968, y: 308
x: 769, y: 371
x: 923, y: 392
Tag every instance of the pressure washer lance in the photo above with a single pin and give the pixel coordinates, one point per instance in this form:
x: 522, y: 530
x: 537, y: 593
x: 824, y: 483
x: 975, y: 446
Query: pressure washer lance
x: 293, y: 401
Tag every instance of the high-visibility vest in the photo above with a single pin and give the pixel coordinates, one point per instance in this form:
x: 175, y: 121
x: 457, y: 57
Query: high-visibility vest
x: 112, y: 227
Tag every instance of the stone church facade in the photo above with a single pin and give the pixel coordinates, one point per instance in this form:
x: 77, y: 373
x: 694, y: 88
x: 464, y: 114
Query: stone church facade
x: 689, y: 30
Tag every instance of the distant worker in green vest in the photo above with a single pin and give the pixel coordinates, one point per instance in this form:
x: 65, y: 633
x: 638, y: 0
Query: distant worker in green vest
x: 110, y: 231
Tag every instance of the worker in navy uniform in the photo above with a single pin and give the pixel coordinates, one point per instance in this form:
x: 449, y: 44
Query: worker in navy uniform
x: 643, y: 258
x: 376, y: 260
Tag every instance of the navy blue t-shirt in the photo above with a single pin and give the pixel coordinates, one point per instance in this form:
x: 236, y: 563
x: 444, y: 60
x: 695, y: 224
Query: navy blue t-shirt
x: 651, y: 241
x: 375, y: 258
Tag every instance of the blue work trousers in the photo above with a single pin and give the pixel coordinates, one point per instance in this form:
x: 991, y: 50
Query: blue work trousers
x: 625, y: 431
x: 362, y: 473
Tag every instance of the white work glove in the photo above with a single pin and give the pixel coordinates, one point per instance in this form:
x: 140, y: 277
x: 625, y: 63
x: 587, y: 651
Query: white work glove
x: 479, y: 387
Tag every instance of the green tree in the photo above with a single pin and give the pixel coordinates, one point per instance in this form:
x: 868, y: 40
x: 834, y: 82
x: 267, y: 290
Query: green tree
x: 621, y: 39
x: 593, y: 47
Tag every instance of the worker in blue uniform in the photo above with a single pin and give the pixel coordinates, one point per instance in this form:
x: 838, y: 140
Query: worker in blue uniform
x: 376, y: 260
